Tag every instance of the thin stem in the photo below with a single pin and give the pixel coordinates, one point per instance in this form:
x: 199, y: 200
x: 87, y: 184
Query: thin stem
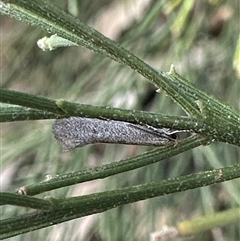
x: 207, y: 222
x: 10, y: 113
x: 107, y: 170
x: 64, y: 25
x: 62, y: 109
x: 28, y: 100
x: 24, y: 201
x: 77, y: 207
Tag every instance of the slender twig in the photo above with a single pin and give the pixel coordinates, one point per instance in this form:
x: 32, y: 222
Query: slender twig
x: 113, y: 168
x: 23, y: 201
x: 76, y: 207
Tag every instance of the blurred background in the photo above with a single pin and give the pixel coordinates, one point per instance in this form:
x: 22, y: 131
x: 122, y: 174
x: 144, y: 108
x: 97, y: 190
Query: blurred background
x: 198, y: 37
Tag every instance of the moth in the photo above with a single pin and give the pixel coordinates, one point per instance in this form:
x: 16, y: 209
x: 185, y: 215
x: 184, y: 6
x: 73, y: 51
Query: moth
x: 78, y: 131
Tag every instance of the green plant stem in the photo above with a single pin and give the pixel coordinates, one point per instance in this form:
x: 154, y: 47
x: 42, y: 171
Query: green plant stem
x: 219, y: 109
x: 191, y: 227
x: 16, y: 113
x: 24, y: 201
x: 133, y: 116
x: 76, y: 207
x: 74, y: 30
x: 59, y: 22
x: 113, y: 168
x: 30, y: 101
x: 64, y: 109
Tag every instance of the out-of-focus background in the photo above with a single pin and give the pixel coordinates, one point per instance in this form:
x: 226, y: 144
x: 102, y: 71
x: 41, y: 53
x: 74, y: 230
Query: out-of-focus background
x: 198, y: 37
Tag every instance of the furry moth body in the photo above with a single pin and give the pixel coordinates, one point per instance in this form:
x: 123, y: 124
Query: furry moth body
x: 77, y: 131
